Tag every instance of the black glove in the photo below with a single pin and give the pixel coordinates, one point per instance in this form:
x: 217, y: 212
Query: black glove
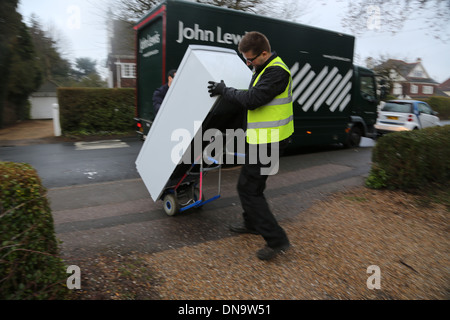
x: 216, y: 88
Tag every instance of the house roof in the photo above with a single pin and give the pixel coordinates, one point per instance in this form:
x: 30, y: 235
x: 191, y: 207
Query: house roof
x: 47, y: 89
x: 405, y: 69
x: 445, y: 86
x: 421, y: 80
x: 441, y: 93
x: 48, y: 86
x: 402, y: 67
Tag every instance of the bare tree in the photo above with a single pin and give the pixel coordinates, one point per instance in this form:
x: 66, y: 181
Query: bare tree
x: 293, y: 10
x: 242, y: 5
x: 132, y: 10
x: 391, y: 15
x: 62, y: 43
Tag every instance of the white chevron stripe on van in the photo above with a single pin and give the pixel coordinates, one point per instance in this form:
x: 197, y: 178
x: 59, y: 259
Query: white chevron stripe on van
x: 320, y: 90
x: 341, y: 96
x: 310, y: 89
x: 314, y: 85
x: 327, y: 92
x: 296, y: 80
x: 303, y: 85
x: 339, y: 88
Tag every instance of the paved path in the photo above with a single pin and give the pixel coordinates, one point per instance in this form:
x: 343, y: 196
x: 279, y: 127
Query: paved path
x: 119, y: 217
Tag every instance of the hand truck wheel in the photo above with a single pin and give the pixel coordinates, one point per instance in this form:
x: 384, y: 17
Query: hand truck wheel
x: 171, y: 205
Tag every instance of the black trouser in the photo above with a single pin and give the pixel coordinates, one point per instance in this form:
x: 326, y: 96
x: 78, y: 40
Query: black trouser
x: 257, y: 214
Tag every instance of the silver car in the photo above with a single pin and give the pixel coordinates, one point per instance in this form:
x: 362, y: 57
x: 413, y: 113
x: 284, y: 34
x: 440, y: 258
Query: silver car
x: 404, y: 115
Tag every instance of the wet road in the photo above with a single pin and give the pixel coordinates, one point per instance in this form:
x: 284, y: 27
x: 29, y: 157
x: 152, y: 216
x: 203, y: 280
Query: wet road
x: 68, y: 164
x: 100, y: 204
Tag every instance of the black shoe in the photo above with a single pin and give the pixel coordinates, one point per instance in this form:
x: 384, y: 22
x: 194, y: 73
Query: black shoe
x: 268, y: 253
x: 241, y: 228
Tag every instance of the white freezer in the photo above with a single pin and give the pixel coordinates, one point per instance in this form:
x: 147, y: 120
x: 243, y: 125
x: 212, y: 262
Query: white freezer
x: 184, y: 109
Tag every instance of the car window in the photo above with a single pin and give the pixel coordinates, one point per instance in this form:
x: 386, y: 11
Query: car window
x: 398, y: 107
x: 424, y: 108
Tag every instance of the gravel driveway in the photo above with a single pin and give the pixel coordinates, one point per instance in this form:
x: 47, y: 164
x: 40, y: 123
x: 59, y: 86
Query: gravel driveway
x: 334, y: 243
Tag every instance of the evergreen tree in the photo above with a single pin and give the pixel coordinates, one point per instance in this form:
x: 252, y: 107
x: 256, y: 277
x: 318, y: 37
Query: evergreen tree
x: 54, y: 66
x: 85, y: 74
x: 20, y: 72
x: 25, y: 75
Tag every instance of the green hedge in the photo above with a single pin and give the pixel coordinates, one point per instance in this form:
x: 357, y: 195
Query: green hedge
x: 95, y: 110
x: 411, y: 159
x: 30, y: 267
x: 440, y: 105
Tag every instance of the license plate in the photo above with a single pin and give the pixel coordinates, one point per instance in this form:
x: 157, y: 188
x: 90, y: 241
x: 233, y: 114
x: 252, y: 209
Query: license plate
x: 392, y: 118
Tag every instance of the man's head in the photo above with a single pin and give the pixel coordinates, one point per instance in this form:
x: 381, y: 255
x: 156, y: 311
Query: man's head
x: 170, y: 76
x: 255, y: 48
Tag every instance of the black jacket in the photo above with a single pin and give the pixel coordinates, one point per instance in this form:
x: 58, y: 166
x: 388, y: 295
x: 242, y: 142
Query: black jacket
x: 272, y: 83
x: 158, y: 97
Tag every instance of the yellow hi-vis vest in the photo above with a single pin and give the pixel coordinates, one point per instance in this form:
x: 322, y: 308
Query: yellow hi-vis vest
x: 274, y: 121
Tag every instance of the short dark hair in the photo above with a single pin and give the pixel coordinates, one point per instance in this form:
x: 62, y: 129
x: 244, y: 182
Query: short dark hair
x: 254, y: 41
x: 171, y: 73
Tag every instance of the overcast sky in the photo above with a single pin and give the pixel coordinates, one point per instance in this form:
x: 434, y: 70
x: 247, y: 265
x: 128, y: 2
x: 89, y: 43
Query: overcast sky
x: 82, y: 24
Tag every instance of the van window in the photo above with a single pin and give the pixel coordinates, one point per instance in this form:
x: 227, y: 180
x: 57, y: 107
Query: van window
x: 368, y: 88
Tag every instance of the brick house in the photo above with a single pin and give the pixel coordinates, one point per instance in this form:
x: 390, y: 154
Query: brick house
x: 121, y: 60
x: 408, y: 80
x: 444, y: 87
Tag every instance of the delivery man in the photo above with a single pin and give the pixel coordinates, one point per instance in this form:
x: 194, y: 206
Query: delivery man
x: 160, y: 93
x: 268, y: 103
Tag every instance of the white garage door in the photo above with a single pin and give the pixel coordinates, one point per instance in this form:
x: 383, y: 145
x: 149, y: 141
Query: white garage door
x: 42, y: 107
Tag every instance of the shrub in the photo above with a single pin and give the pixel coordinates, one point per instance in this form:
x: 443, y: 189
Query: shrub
x: 30, y: 267
x: 440, y: 105
x: 94, y: 110
x: 411, y: 159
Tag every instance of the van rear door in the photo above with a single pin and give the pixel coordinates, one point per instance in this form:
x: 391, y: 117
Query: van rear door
x: 150, y: 53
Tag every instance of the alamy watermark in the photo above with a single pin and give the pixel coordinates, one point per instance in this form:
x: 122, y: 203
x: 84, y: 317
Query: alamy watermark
x: 74, y: 20
x: 226, y: 148
x: 374, y: 17
x: 374, y: 281
x: 74, y: 280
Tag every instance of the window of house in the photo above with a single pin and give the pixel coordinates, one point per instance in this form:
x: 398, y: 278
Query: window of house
x: 128, y: 70
x: 427, y: 89
x: 398, y: 89
x: 414, y: 88
x: 418, y: 74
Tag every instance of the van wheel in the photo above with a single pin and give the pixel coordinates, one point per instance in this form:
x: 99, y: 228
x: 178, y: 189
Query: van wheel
x: 354, y: 137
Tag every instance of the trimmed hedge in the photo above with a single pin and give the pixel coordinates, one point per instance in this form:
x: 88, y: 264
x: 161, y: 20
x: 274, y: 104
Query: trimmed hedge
x: 441, y: 105
x: 411, y: 159
x: 96, y: 110
x: 30, y: 266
